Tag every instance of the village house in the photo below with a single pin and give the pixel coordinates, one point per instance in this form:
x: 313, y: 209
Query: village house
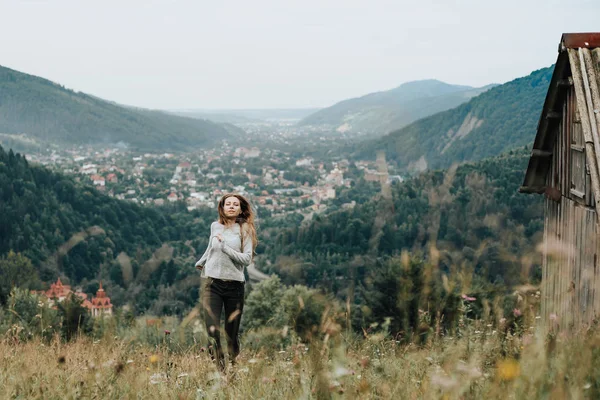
x: 251, y: 153
x: 563, y: 167
x: 89, y: 169
x: 172, y: 197
x: 335, y: 177
x: 112, y: 178
x: 98, y: 180
x: 199, y: 195
x: 184, y: 166
x: 98, y: 306
x: 101, y: 304
x: 304, y: 162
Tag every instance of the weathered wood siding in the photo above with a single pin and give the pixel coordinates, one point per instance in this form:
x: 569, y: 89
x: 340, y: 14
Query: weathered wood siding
x: 569, y: 273
x: 570, y: 278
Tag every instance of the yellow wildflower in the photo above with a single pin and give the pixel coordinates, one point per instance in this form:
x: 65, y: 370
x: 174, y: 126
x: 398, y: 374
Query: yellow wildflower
x: 508, y: 369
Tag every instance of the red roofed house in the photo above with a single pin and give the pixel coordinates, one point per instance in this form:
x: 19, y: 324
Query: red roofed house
x: 112, y: 178
x: 58, y: 291
x: 172, y: 197
x: 98, y: 180
x: 101, y: 303
x: 98, y: 306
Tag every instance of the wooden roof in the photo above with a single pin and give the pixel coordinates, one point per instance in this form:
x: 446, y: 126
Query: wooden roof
x: 578, y: 64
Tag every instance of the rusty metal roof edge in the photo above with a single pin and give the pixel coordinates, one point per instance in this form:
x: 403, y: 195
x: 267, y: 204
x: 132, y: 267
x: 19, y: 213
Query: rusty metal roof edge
x: 588, y: 40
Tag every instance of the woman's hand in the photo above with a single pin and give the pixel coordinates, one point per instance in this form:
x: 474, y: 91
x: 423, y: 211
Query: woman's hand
x: 199, y: 267
x: 219, y: 237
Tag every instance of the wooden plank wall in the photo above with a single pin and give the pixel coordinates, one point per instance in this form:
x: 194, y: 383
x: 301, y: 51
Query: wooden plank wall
x: 570, y: 273
x: 570, y: 278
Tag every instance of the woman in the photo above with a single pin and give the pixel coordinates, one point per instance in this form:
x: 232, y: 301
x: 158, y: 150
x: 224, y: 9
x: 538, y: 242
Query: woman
x: 230, y: 249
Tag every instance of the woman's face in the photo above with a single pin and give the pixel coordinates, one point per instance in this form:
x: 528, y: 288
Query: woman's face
x: 231, y: 207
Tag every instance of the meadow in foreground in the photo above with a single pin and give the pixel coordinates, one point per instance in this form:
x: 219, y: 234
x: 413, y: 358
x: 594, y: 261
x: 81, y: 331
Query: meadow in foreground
x: 480, y: 361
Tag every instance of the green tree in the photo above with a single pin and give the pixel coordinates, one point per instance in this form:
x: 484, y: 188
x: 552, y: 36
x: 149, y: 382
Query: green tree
x: 75, y: 317
x: 16, y: 270
x: 262, y: 305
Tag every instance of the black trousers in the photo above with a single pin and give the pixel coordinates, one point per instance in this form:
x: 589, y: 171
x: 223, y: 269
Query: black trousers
x: 217, y: 295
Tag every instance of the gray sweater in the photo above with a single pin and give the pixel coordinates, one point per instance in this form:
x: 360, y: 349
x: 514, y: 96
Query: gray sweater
x: 226, y: 260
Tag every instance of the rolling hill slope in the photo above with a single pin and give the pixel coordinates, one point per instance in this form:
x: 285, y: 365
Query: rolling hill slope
x: 385, y: 111
x: 47, y: 111
x: 502, y: 118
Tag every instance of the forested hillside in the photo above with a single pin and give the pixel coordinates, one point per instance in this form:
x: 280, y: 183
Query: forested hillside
x: 502, y: 118
x: 49, y: 112
x: 386, y: 111
x: 68, y: 229
x: 468, y: 221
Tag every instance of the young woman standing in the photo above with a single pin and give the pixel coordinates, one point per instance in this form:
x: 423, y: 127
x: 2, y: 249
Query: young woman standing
x: 230, y: 250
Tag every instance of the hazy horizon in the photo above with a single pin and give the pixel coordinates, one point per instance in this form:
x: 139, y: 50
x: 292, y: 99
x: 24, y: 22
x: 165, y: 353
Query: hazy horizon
x: 177, y: 55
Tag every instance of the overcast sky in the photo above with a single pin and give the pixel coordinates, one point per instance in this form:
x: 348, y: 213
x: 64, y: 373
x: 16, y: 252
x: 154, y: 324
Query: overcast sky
x: 279, y: 54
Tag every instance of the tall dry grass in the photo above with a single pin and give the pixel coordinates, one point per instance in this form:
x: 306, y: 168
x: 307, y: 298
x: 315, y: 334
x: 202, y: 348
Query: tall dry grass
x: 486, y: 361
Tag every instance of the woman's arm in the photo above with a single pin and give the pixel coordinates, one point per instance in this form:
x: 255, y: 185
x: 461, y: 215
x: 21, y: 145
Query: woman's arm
x: 200, y: 263
x: 245, y: 256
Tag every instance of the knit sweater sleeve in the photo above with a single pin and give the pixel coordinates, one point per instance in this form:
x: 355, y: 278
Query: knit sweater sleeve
x: 244, y: 257
x: 202, y: 260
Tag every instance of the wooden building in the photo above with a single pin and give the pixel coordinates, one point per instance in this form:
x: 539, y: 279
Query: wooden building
x: 564, y: 167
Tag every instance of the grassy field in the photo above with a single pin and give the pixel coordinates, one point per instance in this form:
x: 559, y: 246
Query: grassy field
x: 481, y: 361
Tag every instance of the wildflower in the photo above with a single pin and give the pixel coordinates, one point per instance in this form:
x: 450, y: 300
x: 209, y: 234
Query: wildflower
x: 153, y: 358
x: 364, y: 362
x: 517, y: 312
x: 167, y: 332
x: 508, y: 369
x: 158, y: 378
x: 467, y: 298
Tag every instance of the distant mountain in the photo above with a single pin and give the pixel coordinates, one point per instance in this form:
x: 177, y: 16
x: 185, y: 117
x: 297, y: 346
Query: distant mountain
x: 45, y: 110
x: 386, y: 111
x: 248, y: 115
x: 215, y: 116
x: 502, y: 118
